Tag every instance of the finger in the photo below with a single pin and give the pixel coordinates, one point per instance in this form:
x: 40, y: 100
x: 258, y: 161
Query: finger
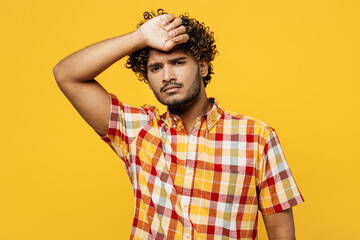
x: 166, y: 19
x: 174, y: 24
x: 177, y: 31
x: 181, y: 38
x: 172, y: 42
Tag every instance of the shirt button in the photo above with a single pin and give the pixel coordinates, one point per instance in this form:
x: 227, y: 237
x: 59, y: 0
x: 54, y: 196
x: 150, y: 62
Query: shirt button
x: 187, y: 235
x: 189, y: 172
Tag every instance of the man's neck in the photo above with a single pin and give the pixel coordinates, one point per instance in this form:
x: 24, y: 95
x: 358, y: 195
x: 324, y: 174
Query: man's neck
x: 190, y: 111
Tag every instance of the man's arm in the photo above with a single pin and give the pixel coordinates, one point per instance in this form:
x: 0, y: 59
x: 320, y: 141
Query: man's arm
x: 280, y: 226
x: 75, y: 74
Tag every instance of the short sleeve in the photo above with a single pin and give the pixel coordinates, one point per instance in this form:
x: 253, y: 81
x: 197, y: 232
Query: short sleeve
x: 277, y: 190
x: 125, y: 123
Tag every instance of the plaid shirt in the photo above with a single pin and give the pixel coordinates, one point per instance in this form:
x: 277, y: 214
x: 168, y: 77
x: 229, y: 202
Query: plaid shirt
x: 208, y: 184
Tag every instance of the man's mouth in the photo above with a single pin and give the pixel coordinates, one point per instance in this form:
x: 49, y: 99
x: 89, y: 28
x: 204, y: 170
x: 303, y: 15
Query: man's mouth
x: 170, y: 87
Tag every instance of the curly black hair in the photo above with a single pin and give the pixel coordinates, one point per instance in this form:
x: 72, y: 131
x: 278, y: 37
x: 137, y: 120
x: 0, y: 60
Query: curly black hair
x: 201, y: 45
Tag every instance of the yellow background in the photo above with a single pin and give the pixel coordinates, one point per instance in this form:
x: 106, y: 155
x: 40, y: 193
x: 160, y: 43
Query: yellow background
x: 292, y: 64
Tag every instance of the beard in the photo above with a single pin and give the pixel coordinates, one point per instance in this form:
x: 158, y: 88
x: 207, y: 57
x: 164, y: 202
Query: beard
x: 192, y: 94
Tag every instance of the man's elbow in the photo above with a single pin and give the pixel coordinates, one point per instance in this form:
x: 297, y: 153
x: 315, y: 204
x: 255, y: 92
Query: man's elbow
x: 57, y: 73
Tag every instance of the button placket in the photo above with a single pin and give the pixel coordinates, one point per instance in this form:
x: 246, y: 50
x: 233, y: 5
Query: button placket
x: 187, y: 184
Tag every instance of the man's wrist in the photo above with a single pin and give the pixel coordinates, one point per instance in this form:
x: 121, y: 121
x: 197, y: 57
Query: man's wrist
x: 140, y: 39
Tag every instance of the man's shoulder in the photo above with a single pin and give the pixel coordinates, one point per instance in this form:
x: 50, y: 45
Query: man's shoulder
x: 247, y: 121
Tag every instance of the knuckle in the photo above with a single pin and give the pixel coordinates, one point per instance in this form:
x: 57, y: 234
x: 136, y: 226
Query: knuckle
x: 169, y: 27
x: 175, y: 32
x: 179, y: 38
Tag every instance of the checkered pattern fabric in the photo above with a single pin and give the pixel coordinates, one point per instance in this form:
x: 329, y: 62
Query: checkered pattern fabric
x: 209, y: 184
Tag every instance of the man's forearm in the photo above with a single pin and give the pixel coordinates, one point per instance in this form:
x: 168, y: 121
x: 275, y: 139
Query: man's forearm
x: 90, y: 61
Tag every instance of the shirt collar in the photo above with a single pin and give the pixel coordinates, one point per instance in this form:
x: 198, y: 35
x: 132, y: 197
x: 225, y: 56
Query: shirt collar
x: 211, y: 117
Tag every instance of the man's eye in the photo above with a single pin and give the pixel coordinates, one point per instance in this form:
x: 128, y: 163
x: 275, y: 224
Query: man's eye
x: 179, y: 63
x: 154, y: 69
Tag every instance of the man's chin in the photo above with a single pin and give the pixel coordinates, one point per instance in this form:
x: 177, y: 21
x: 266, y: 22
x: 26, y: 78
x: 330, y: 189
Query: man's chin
x: 177, y: 102
x: 173, y: 103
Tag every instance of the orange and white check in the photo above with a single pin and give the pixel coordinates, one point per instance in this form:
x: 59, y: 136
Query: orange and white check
x: 207, y: 184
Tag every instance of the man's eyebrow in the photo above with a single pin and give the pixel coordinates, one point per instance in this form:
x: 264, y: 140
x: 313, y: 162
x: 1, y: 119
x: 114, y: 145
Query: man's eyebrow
x: 174, y: 60
x: 154, y: 65
x: 177, y: 59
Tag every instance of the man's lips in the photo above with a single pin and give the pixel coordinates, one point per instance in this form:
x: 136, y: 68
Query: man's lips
x: 170, y: 87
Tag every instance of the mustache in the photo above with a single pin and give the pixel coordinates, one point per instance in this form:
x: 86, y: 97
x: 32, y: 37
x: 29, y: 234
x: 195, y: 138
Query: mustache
x: 170, y: 83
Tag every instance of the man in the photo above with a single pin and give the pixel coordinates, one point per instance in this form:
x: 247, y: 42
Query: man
x: 198, y: 171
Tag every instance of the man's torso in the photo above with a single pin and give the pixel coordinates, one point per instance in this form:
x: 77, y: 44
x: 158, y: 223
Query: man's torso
x: 207, y: 184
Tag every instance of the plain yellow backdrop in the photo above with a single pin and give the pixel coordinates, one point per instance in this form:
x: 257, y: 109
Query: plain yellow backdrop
x: 292, y: 64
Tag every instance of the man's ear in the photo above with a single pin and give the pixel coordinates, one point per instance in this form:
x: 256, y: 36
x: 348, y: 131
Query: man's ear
x: 204, y: 68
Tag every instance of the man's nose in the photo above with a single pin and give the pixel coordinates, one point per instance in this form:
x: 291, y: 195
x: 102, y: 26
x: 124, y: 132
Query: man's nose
x: 168, y: 73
